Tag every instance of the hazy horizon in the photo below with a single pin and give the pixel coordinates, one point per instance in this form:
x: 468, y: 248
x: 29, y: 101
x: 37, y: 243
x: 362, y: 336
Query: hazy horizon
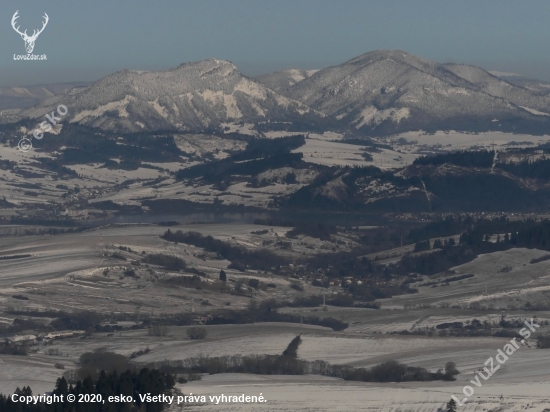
x: 85, y: 42
x: 251, y: 72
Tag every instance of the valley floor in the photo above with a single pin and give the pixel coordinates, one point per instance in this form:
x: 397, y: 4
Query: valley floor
x: 66, y: 272
x: 306, y: 393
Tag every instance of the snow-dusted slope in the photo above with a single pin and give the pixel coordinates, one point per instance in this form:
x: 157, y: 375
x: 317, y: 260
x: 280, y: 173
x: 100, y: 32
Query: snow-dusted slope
x: 391, y: 91
x: 191, y: 97
x: 24, y: 97
x: 282, y: 80
x: 495, y: 86
x: 533, y: 85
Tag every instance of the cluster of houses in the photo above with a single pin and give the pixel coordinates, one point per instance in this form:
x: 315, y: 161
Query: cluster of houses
x: 343, y: 282
x: 75, y: 214
x: 26, y: 340
x: 201, y: 320
x: 348, y: 280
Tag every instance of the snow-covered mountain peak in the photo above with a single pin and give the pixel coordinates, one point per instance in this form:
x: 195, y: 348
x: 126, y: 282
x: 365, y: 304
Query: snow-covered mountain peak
x: 191, y: 97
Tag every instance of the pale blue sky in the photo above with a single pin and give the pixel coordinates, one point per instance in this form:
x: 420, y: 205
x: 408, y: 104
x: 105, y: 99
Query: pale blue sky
x: 86, y: 40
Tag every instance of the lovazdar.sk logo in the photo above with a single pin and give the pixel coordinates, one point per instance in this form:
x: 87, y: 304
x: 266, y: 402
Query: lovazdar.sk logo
x: 29, y: 40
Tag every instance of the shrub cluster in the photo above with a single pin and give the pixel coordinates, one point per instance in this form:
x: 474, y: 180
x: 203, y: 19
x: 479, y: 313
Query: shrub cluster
x: 196, y: 333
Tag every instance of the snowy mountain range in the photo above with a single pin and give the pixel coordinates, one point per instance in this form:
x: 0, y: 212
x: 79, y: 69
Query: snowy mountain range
x: 29, y: 96
x: 192, y: 97
x: 534, y: 85
x: 379, y: 93
x: 284, y: 79
x: 392, y: 91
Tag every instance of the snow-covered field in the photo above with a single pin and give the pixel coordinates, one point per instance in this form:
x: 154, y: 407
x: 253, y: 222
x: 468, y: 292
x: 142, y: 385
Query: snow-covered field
x: 504, y: 279
x: 306, y: 393
x: 453, y: 140
x: 66, y: 272
x: 524, y: 379
x: 329, y: 153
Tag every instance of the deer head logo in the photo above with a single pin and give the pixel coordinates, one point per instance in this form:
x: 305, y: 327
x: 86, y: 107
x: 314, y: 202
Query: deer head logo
x: 29, y: 40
